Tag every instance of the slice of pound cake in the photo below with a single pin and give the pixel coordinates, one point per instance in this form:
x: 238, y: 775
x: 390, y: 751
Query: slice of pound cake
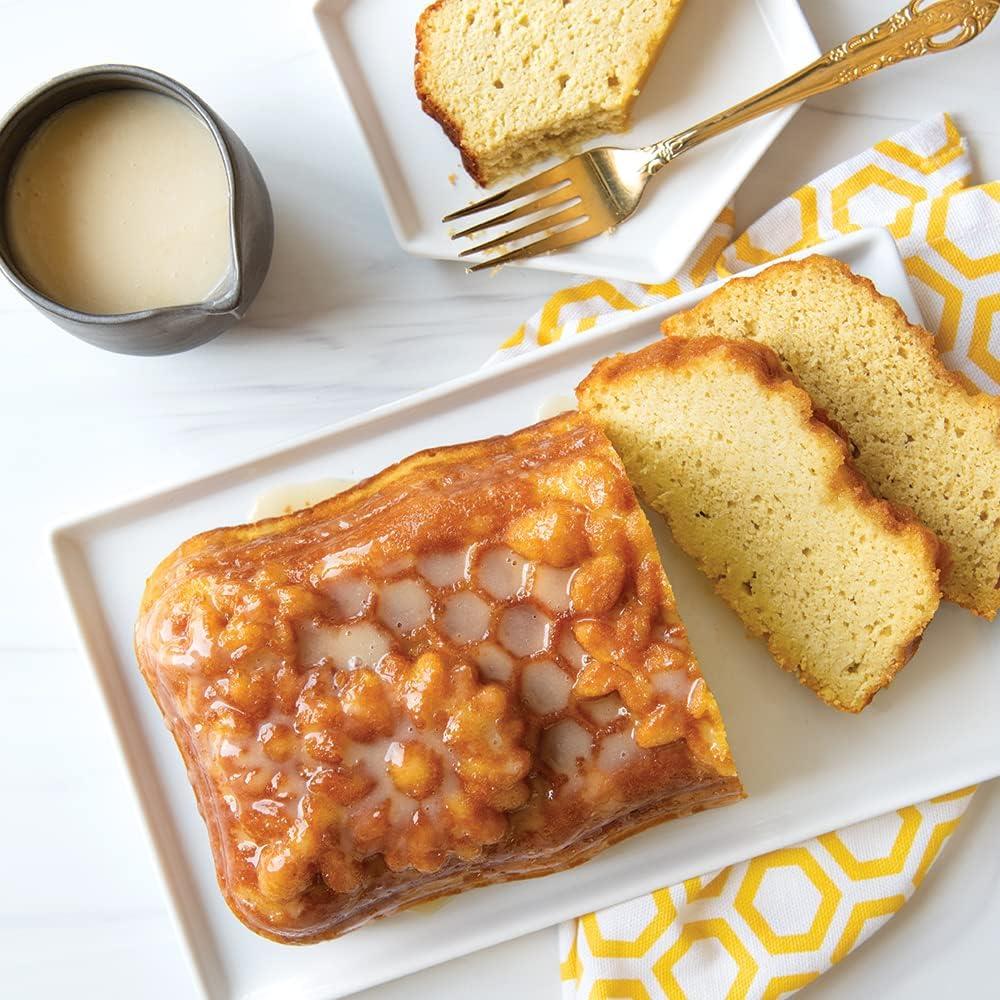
x: 921, y: 438
x: 514, y: 81
x: 759, y: 488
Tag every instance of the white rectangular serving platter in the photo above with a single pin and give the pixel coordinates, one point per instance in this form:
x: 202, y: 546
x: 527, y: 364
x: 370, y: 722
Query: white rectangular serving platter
x: 720, y: 52
x: 807, y: 768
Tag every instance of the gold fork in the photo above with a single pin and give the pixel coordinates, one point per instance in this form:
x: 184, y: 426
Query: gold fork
x: 598, y: 190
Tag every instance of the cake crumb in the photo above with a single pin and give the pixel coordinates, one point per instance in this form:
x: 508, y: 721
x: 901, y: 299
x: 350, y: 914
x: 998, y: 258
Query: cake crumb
x: 509, y: 105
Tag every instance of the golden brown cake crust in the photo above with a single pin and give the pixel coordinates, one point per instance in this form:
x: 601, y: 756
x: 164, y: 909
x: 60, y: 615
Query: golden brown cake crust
x: 678, y: 324
x: 687, y: 325
x: 434, y: 110
x: 358, y: 744
x: 676, y: 353
x: 760, y: 361
x: 508, y: 93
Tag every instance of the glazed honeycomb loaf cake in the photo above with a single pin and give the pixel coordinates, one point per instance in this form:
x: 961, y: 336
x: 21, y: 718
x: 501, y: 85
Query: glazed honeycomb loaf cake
x: 760, y: 490
x: 466, y: 669
x: 921, y: 438
x: 514, y: 81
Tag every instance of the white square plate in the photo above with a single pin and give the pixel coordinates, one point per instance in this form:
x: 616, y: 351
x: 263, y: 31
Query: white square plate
x: 720, y: 52
x: 807, y: 768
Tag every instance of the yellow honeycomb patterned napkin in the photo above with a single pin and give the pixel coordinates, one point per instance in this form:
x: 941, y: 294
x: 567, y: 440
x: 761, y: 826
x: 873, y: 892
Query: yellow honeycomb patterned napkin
x: 916, y: 184
x: 762, y: 929
x: 765, y: 928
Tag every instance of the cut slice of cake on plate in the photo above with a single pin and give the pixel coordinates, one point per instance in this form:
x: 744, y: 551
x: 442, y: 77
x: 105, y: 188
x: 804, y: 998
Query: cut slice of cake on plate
x: 921, y: 437
x: 759, y: 488
x: 514, y: 81
x: 464, y: 670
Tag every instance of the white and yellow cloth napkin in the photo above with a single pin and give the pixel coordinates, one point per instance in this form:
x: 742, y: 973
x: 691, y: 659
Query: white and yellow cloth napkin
x: 916, y: 184
x: 765, y: 928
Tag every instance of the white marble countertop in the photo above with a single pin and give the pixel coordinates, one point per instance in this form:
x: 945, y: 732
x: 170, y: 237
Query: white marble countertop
x: 344, y: 322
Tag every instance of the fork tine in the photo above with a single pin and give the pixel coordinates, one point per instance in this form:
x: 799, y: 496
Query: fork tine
x: 546, y: 179
x: 560, y: 198
x: 564, y: 238
x: 538, y: 226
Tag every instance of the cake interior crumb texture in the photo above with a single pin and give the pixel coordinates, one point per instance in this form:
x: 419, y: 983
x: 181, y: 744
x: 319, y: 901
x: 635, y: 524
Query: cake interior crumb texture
x: 514, y: 81
x: 760, y: 491
x: 921, y: 438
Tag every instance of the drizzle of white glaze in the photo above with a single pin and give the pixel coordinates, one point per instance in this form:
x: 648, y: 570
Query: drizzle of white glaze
x: 350, y: 594
x: 502, y: 573
x: 374, y: 757
x: 444, y: 569
x: 564, y: 745
x: 545, y: 687
x: 551, y: 587
x: 669, y: 636
x: 396, y: 566
x: 337, y: 562
x: 694, y: 694
x: 466, y: 617
x: 552, y: 406
x: 572, y: 652
x: 345, y: 646
x: 404, y: 606
x: 617, y: 749
x: 187, y: 647
x: 603, y: 711
x: 290, y: 497
x: 524, y: 630
x: 249, y: 764
x: 495, y: 664
x: 675, y: 684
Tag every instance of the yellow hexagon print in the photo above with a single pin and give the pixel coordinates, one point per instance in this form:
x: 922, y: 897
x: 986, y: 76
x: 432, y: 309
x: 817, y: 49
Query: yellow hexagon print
x: 951, y: 295
x: 601, y: 947
x: 782, y: 944
x: 891, y: 864
x: 870, y: 176
x: 619, y: 989
x: 550, y: 324
x: 861, y: 913
x: 941, y: 832
x: 701, y: 930
x: 926, y: 164
x: 694, y: 889
x: 805, y: 203
x: 987, y: 199
x: 571, y: 968
x: 982, y: 329
x: 781, y: 986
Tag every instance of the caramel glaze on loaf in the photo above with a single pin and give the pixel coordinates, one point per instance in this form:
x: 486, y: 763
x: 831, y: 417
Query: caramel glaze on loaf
x: 921, y: 437
x: 718, y: 438
x: 467, y: 669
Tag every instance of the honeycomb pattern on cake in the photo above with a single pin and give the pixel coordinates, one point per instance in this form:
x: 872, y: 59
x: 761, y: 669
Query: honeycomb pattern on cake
x: 370, y: 710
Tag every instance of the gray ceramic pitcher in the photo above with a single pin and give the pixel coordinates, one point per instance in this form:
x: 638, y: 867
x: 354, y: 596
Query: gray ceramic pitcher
x: 162, y: 330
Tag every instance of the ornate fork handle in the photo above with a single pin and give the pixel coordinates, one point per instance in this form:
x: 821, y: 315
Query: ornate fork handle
x: 916, y: 30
